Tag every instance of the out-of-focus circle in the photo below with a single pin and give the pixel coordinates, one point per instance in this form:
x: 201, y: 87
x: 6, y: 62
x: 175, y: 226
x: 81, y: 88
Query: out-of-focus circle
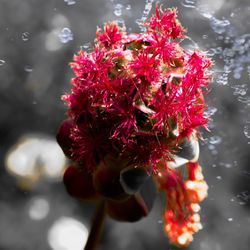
x: 34, y: 156
x: 39, y: 208
x: 209, y: 7
x: 52, y: 43
x: 67, y: 234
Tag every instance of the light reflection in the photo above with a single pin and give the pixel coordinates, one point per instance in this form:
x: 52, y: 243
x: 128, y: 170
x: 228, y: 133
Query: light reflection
x: 34, y: 156
x: 67, y: 234
x: 208, y: 8
x: 58, y: 22
x: 52, y: 42
x: 39, y: 208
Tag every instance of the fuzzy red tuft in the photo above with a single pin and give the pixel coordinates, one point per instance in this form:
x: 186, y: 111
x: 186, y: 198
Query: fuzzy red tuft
x: 136, y: 97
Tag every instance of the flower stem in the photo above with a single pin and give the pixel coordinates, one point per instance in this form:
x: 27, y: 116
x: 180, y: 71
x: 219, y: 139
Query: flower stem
x: 97, y: 226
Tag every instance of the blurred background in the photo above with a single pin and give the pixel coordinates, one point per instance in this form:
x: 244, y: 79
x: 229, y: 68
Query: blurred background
x: 37, y: 41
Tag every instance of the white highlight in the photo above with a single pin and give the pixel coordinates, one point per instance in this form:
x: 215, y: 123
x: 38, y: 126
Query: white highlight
x: 67, y: 234
x: 178, y: 161
x: 34, y: 156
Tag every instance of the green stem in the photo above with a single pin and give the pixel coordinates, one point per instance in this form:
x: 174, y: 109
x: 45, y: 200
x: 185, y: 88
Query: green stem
x: 97, y: 226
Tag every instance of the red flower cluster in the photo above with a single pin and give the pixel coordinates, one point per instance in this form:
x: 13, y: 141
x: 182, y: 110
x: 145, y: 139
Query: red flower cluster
x: 137, y: 98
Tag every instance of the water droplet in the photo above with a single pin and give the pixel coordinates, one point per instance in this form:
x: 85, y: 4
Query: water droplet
x: 28, y: 68
x: 118, y: 9
x: 128, y: 7
x: 206, y: 14
x: 218, y: 177
x: 205, y: 36
x: 228, y: 52
x: 210, y: 111
x: 214, y: 51
x: 244, y: 99
x: 211, y: 125
x: 205, y: 9
x: 240, y: 89
x: 148, y: 7
x: 232, y: 32
x: 189, y: 3
x: 70, y: 2
x: 219, y: 26
x: 140, y: 23
x: 237, y: 75
x: 242, y: 203
x: 248, y: 69
x: 230, y: 219
x: 228, y: 165
x: 238, y: 71
x: 215, y: 139
x: 246, y: 173
x: 244, y: 196
x: 246, y: 130
x: 222, y: 79
x: 86, y: 46
x: 211, y: 147
x: 146, y: 11
x: 227, y: 40
x: 121, y: 23
x: 2, y: 62
x: 65, y: 35
x: 25, y: 36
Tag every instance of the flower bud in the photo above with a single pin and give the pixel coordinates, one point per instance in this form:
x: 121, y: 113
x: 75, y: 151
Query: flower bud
x: 79, y: 183
x: 130, y: 210
x: 106, y: 179
x: 63, y: 137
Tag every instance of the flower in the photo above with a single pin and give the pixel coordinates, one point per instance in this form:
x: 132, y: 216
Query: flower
x: 134, y: 110
x: 181, y: 215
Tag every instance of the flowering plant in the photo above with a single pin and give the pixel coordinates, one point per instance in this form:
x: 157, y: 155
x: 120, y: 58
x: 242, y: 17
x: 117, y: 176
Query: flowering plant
x: 134, y: 108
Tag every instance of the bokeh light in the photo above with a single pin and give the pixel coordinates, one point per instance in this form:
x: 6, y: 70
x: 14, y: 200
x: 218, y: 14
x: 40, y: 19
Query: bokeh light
x: 39, y: 208
x: 67, y: 234
x: 35, y: 156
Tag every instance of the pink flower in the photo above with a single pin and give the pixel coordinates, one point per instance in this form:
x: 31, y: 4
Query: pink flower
x: 111, y: 35
x: 146, y: 65
x: 135, y: 101
x: 166, y: 23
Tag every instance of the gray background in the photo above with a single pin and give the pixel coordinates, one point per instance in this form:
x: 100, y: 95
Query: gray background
x: 34, y: 74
